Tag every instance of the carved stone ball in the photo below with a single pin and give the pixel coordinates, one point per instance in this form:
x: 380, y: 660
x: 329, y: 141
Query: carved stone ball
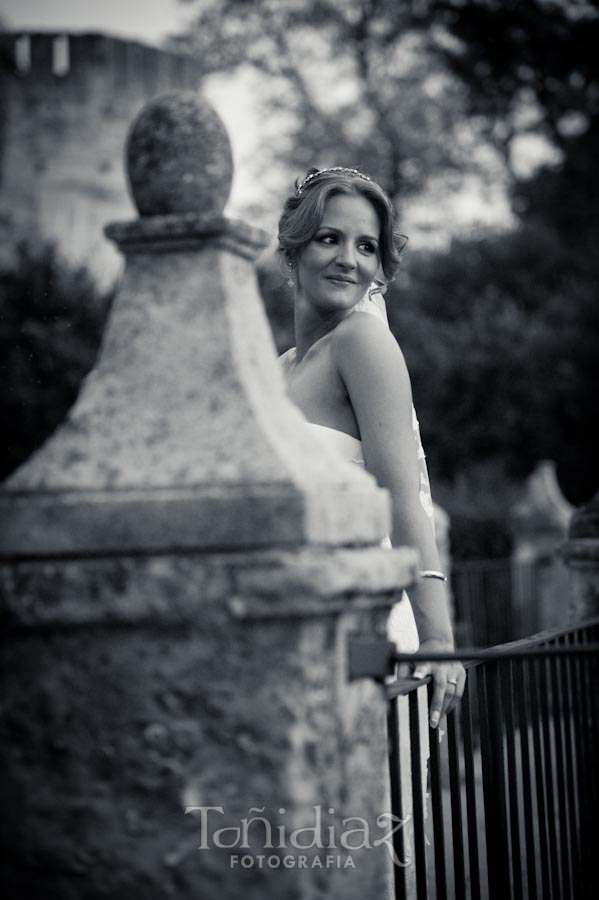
x: 179, y: 157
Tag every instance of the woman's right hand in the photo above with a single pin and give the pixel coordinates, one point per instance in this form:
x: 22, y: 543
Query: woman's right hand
x: 449, y: 680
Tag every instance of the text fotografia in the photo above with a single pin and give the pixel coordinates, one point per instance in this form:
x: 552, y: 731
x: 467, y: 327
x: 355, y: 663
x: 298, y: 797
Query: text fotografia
x: 257, y: 830
x: 260, y: 861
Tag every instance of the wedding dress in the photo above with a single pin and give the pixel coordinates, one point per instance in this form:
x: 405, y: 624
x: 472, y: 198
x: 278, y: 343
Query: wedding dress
x: 401, y: 626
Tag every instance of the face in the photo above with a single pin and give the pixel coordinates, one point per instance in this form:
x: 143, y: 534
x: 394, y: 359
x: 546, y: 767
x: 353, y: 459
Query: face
x: 335, y: 269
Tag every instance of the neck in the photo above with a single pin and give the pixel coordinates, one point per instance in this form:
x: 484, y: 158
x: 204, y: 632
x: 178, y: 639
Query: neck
x: 311, y: 327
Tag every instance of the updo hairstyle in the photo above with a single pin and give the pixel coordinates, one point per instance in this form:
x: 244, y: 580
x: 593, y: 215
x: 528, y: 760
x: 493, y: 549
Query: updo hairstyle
x: 304, y: 211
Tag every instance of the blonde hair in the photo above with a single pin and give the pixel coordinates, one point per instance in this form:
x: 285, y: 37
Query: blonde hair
x: 304, y: 211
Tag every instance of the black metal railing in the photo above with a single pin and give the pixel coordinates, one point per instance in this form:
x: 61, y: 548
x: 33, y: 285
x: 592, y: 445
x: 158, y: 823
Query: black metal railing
x: 513, y: 784
x: 495, y: 600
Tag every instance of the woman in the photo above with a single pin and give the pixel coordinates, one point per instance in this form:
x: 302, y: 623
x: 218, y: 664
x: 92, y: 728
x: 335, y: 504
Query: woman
x: 348, y: 376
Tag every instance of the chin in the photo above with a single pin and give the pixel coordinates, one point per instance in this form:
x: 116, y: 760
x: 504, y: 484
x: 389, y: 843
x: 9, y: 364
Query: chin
x: 343, y: 299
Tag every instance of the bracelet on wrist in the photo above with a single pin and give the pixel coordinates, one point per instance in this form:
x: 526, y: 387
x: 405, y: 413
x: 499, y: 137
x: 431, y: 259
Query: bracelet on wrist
x: 431, y: 573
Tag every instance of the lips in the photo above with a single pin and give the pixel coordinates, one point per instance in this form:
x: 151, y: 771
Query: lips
x: 339, y: 280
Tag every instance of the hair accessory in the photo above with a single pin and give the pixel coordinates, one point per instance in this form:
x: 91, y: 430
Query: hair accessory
x: 309, y: 178
x: 430, y: 573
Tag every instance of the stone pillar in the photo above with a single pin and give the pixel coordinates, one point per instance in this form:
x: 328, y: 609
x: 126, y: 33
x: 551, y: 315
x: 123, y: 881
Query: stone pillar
x: 180, y: 567
x: 581, y: 554
x: 539, y: 577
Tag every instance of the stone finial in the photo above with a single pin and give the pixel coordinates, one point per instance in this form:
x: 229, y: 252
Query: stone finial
x: 178, y: 157
x: 543, y: 507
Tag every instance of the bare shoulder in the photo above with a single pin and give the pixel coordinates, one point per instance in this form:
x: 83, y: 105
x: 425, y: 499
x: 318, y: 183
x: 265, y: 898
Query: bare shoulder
x: 374, y: 373
x: 362, y: 343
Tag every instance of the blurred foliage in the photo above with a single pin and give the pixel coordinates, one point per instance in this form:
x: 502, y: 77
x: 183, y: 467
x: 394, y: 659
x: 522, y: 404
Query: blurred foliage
x: 347, y: 83
x: 529, y: 67
x: 406, y: 90
x: 480, y: 537
x: 51, y: 323
x: 500, y: 338
x: 499, y: 330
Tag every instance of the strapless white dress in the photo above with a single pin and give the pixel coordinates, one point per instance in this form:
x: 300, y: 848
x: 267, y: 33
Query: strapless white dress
x: 401, y: 626
x: 401, y: 629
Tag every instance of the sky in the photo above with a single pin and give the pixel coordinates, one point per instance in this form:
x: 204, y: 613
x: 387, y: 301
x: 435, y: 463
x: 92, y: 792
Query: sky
x: 147, y: 20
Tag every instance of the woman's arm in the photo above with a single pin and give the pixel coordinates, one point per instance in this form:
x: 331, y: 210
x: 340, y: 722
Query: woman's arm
x: 375, y: 375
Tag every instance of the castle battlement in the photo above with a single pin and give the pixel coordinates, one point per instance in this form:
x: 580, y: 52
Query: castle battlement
x: 37, y: 56
x: 67, y: 101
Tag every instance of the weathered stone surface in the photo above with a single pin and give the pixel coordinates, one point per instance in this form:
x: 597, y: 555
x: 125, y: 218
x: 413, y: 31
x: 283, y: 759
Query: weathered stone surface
x: 172, y: 590
x: 117, y: 521
x: 156, y: 699
x: 181, y: 232
x: 327, y: 573
x: 179, y: 157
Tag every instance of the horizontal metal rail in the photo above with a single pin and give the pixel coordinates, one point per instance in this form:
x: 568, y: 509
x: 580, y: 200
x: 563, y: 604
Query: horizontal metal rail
x: 376, y: 658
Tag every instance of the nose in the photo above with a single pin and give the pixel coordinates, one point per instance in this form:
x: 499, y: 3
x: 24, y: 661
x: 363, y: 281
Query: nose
x: 346, y: 255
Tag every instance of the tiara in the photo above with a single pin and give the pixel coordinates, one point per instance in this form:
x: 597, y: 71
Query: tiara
x: 309, y: 178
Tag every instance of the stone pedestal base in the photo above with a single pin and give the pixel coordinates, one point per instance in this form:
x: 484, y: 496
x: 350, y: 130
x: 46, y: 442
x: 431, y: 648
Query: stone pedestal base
x: 141, y: 687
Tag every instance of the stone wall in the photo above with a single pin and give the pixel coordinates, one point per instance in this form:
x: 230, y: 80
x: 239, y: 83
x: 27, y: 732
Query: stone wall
x: 66, y: 103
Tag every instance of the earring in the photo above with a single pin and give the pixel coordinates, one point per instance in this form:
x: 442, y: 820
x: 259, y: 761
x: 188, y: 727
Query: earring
x: 290, y: 281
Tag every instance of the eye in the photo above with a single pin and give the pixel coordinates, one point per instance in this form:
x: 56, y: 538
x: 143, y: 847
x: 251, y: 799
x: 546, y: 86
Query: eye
x: 368, y: 247
x: 326, y: 238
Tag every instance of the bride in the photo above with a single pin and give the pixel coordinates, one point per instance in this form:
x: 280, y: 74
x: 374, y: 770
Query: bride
x: 348, y: 376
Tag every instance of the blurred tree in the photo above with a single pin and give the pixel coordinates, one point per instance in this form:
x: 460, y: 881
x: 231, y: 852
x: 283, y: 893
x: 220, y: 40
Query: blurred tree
x: 500, y: 338
x: 377, y: 83
x: 51, y: 323
x: 532, y: 70
x: 529, y: 68
x: 349, y: 83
